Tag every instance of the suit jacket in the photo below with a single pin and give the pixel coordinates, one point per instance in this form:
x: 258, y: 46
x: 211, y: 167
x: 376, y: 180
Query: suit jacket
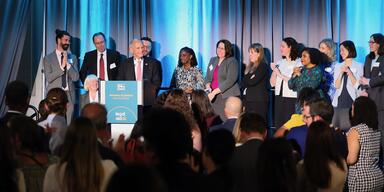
x: 53, y: 73
x: 376, y: 83
x: 255, y: 84
x: 229, y: 124
x: 243, y: 165
x: 152, y: 76
x: 108, y: 154
x: 89, y: 65
x: 228, y: 76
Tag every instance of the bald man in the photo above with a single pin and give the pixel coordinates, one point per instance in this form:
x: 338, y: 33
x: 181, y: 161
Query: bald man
x: 232, y: 110
x: 140, y: 68
x: 97, y: 113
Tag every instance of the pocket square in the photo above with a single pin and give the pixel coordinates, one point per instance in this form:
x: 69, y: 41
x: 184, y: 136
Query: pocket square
x: 112, y: 66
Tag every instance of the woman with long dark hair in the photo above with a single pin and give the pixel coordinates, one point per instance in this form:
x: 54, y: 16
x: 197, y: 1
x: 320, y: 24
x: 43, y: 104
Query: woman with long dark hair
x: 254, y: 84
x: 81, y: 167
x: 322, y: 168
x: 364, y: 148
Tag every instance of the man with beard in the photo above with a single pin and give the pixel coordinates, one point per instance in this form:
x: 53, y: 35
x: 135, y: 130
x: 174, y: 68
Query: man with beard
x: 60, y: 69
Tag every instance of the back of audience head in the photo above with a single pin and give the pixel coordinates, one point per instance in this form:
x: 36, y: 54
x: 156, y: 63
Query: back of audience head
x: 57, y: 101
x: 97, y: 113
x: 17, y: 96
x: 307, y: 95
x: 136, y: 177
x: 319, y: 152
x: 80, y: 154
x: 251, y: 124
x: 8, y: 164
x: 201, y: 101
x: 364, y: 111
x: 167, y: 133
x: 26, y: 134
x: 219, y: 147
x: 178, y: 100
x: 160, y: 100
x: 43, y: 110
x: 321, y: 109
x: 233, y: 107
x: 276, y: 168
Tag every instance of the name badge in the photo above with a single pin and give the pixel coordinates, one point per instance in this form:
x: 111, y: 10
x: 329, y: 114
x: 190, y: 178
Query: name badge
x: 70, y: 60
x: 112, y: 66
x: 253, y: 76
x: 210, y: 67
x: 376, y: 64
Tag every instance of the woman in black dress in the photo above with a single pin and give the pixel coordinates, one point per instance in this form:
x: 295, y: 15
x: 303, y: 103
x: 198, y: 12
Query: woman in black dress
x: 254, y: 84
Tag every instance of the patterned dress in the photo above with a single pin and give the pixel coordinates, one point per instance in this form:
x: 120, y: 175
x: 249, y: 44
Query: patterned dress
x: 183, y: 78
x: 366, y: 175
x: 312, y: 77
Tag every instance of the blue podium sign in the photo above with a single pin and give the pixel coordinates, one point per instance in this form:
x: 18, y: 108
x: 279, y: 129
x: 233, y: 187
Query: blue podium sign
x: 121, y: 101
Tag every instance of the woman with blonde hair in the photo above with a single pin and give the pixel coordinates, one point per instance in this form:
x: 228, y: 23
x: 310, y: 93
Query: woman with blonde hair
x: 254, y: 84
x: 81, y: 167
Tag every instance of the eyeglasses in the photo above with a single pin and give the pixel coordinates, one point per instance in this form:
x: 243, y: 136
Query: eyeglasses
x: 371, y: 42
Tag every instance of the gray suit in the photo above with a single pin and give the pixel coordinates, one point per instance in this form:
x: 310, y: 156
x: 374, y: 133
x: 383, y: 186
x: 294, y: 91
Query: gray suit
x: 53, y: 73
x: 227, y: 77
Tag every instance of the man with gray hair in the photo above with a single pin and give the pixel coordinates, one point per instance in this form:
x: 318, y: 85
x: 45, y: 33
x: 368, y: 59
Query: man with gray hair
x: 140, y: 68
x: 232, y: 110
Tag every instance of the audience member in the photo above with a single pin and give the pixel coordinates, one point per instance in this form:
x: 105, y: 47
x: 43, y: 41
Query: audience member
x: 80, y: 167
x: 178, y: 100
x: 306, y: 95
x: 253, y: 130
x: 276, y: 168
x: 285, y: 98
x: 137, y: 178
x: 16, y: 99
x: 364, y: 148
x: 222, y: 76
x: 43, y: 110
x: 97, y: 113
x: 232, y: 110
x: 254, y: 85
x: 55, y: 123
x: 218, y: 150
x: 323, y: 169
x: 11, y: 177
x: 168, y: 135
x: 31, y: 152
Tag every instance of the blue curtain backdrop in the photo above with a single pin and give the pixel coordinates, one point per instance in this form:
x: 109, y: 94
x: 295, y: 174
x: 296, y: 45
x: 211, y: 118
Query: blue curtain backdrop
x: 27, y: 28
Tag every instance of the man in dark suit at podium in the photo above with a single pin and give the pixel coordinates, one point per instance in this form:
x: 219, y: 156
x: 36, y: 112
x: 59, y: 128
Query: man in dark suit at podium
x: 102, y: 62
x: 139, y: 68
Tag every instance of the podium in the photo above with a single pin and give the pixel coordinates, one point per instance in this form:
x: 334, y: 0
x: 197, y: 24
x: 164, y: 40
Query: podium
x: 122, y: 100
